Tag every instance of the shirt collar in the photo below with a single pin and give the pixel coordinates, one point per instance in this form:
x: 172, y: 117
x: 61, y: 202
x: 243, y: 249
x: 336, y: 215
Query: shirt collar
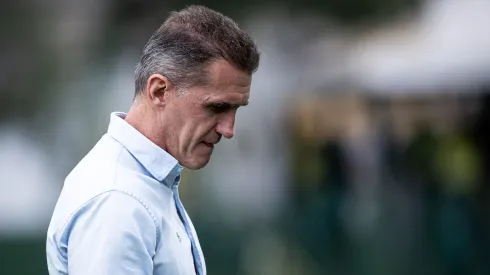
x: 157, y: 161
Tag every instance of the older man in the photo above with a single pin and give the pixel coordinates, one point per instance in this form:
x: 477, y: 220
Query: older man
x: 119, y: 211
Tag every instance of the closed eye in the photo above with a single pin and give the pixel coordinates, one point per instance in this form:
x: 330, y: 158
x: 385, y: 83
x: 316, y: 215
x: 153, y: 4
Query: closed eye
x: 221, y: 107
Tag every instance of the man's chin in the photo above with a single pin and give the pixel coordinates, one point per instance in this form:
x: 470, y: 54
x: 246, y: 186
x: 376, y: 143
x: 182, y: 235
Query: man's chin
x: 197, y: 163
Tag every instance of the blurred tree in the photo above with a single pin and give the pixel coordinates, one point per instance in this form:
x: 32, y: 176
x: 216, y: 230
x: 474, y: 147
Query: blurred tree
x: 356, y: 11
x: 27, y: 63
x: 144, y: 16
x: 31, y: 64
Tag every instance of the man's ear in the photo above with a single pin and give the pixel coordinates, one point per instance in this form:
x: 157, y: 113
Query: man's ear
x: 157, y: 86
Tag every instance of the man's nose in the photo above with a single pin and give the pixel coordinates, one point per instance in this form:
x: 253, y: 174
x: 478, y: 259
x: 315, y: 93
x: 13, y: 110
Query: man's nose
x: 226, y: 126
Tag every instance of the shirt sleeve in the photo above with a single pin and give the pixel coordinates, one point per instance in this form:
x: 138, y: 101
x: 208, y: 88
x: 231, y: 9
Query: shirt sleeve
x: 113, y: 234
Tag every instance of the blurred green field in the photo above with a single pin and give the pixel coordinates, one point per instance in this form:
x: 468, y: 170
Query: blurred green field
x: 22, y: 256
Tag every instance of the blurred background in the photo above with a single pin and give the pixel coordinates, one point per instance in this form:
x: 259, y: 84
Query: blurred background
x: 364, y: 150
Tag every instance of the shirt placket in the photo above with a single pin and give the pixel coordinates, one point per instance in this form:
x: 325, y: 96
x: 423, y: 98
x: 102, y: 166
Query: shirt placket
x: 183, y: 218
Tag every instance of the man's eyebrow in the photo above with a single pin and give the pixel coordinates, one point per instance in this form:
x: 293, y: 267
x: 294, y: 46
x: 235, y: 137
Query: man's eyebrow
x: 225, y: 103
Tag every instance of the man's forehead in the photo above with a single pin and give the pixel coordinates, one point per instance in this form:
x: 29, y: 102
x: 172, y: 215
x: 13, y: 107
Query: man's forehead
x: 223, y: 73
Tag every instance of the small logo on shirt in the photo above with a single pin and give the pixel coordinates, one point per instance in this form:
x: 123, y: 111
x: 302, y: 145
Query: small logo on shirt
x: 178, y: 236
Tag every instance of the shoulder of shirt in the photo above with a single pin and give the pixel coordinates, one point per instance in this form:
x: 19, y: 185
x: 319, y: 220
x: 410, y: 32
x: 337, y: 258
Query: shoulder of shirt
x: 101, y: 200
x: 106, y: 169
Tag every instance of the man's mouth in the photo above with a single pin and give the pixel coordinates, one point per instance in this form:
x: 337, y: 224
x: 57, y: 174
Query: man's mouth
x: 208, y: 144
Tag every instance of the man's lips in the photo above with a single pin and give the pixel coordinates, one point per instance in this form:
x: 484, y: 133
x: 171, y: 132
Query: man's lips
x: 208, y: 144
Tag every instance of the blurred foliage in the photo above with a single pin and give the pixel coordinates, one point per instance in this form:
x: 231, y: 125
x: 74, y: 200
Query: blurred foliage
x: 458, y: 165
x: 27, y: 87
x: 23, y: 256
x: 354, y: 11
x: 28, y: 62
x: 344, y: 11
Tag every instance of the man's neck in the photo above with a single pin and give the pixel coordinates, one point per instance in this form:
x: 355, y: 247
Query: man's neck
x: 143, y: 120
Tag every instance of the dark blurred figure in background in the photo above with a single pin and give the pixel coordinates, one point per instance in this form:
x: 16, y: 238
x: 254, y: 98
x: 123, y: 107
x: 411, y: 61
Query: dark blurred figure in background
x: 480, y: 131
x: 457, y: 168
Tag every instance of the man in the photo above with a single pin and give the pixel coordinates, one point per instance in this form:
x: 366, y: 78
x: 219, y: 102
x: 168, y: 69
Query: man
x: 119, y: 211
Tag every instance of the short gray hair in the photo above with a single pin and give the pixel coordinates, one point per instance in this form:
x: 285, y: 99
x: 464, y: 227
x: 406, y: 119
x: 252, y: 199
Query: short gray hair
x: 188, y: 41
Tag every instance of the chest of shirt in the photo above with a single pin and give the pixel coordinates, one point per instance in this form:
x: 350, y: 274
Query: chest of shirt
x: 174, y: 249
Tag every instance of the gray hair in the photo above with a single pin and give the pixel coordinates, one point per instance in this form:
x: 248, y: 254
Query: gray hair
x: 188, y: 41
